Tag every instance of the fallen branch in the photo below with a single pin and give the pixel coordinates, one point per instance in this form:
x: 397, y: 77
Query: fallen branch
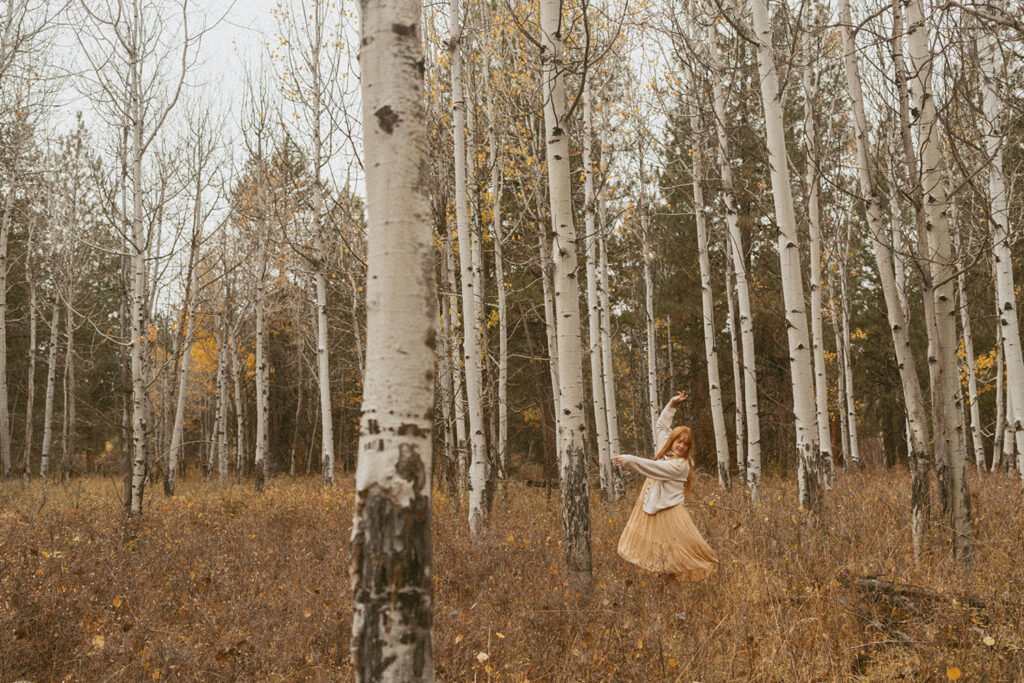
x: 905, y: 590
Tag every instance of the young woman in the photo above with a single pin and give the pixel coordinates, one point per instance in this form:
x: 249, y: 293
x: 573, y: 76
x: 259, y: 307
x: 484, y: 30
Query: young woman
x: 660, y: 536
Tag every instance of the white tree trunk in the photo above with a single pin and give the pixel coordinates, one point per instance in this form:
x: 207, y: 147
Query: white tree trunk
x: 546, y: 275
x: 737, y: 377
x: 178, y: 432
x: 1009, y: 322
x: 572, y: 426
x: 594, y: 349
x: 801, y: 371
x: 458, y: 396
x: 652, y: 339
x: 323, y: 365
x: 223, y: 465
x: 607, y: 350
x: 478, y: 464
x: 746, y: 320
x: 896, y: 308
x: 941, y: 263
x: 499, y: 276
x: 139, y: 333
x: 708, y: 307
x: 5, y: 419
x: 262, y: 373
x: 997, y: 428
x: 391, y: 567
x: 853, y: 456
x: 972, y: 379
x: 51, y: 382
x: 30, y: 388
x: 814, y: 230
x: 241, y: 447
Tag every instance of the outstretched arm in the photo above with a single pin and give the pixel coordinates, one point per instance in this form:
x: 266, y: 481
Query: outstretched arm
x: 662, y: 470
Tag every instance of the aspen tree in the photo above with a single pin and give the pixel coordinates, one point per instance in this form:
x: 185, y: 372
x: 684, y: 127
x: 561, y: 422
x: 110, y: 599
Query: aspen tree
x: 801, y: 371
x: 30, y: 389
x: 572, y: 427
x: 850, y: 405
x: 746, y: 321
x: 390, y: 565
x: 999, y: 225
x: 469, y: 281
x: 649, y: 320
x: 895, y: 308
x: 972, y: 378
x: 607, y: 358
x: 809, y: 80
x: 51, y: 381
x: 941, y: 264
x: 497, y: 238
x: 593, y: 303
x: 707, y: 300
x: 737, y: 384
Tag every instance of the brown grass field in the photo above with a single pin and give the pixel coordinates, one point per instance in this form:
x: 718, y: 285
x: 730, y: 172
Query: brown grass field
x: 221, y: 584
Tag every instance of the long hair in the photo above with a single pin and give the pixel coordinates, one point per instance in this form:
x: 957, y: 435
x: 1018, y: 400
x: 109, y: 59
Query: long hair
x: 686, y: 435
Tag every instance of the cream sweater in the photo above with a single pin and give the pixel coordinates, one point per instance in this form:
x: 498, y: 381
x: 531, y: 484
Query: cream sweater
x: 668, y: 477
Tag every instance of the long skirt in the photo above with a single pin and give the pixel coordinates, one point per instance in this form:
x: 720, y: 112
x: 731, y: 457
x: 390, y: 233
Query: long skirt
x: 666, y: 542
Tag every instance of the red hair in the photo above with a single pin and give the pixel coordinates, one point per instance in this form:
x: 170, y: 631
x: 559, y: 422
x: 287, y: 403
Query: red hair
x: 686, y: 435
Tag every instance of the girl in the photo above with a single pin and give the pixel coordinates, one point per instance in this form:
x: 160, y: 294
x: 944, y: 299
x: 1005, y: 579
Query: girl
x: 660, y: 536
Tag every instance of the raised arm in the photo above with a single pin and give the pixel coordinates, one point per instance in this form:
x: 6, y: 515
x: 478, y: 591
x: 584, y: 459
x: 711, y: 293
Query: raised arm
x: 663, y: 427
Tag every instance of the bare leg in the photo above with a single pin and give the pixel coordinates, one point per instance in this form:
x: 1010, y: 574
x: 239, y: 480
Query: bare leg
x: 676, y: 589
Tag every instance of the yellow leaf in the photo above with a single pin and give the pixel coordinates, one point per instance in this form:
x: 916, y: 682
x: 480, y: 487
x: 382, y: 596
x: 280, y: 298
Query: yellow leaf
x: 157, y: 675
x: 672, y: 662
x: 458, y: 639
x: 639, y: 643
x: 482, y: 657
x: 953, y: 673
x: 117, y: 602
x: 989, y: 640
x: 502, y: 635
x: 98, y: 641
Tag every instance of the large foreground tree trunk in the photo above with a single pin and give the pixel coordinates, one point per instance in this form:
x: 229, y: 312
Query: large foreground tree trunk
x: 913, y: 398
x: 999, y: 222
x: 941, y: 263
x: 572, y: 426
x: 390, y: 560
x: 801, y: 371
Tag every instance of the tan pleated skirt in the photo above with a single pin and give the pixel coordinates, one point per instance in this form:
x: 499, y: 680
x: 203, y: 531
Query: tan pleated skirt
x: 666, y: 542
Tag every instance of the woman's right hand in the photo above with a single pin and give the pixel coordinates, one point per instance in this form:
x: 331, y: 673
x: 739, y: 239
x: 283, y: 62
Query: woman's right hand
x: 678, y: 398
x: 618, y: 460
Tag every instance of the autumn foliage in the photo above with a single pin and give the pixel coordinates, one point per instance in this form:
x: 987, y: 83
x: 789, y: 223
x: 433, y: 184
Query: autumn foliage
x: 218, y: 583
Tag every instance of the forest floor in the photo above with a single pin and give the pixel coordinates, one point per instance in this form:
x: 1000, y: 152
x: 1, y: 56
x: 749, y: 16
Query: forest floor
x: 221, y: 584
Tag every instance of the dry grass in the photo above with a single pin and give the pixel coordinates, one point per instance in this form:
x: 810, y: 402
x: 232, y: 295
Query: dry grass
x: 221, y: 584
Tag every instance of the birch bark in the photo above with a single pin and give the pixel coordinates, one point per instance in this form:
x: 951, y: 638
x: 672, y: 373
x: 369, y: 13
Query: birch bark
x: 753, y: 422
x: 801, y: 372
x: 941, y: 263
x: 51, y: 382
x: 999, y: 223
x: 895, y: 308
x: 391, y: 565
x: 499, y: 277
x: 652, y: 339
x: 607, y: 355
x: 814, y: 230
x: 594, y: 350
x: 708, y: 306
x: 262, y: 371
x: 470, y: 313
x: 572, y: 427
